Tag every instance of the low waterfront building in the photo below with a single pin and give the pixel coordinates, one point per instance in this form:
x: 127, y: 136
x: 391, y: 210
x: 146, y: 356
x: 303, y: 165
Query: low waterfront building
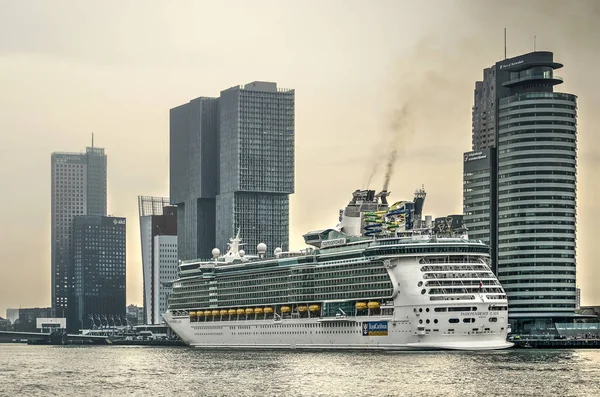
x: 26, y: 322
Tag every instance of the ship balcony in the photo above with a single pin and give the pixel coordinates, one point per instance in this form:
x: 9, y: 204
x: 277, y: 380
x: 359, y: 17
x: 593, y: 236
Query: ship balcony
x: 554, y: 80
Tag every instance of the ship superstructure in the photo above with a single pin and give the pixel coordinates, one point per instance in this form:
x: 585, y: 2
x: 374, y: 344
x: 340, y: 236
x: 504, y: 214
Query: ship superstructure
x: 383, y: 278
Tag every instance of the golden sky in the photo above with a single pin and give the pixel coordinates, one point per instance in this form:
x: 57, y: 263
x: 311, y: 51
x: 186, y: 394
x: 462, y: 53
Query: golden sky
x: 115, y: 68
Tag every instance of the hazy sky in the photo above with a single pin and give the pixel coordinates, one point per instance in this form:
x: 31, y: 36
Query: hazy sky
x: 115, y: 68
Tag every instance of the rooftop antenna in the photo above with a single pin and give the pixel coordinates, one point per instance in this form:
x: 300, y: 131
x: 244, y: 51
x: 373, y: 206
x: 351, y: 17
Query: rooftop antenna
x: 504, y: 43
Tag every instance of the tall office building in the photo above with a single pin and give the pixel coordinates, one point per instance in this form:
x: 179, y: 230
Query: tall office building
x: 194, y: 174
x: 99, y: 267
x: 158, y: 231
x: 78, y: 188
x: 533, y: 130
x: 256, y: 165
x: 480, y: 198
x: 232, y: 167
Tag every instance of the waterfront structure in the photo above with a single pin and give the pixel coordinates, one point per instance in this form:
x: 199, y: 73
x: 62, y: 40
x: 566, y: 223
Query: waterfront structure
x: 26, y: 320
x: 99, y: 266
x: 373, y: 282
x: 534, y: 133
x: 5, y: 325
x: 232, y: 167
x: 12, y: 315
x: 135, y: 314
x: 158, y: 231
x: 78, y: 188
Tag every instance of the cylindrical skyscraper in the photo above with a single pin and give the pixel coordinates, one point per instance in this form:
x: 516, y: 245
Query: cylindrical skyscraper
x: 520, y: 187
x: 537, y: 160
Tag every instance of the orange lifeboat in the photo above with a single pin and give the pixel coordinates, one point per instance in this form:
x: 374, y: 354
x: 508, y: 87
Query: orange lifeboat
x: 285, y: 309
x: 268, y: 310
x: 314, y: 308
x: 258, y: 310
x: 231, y: 312
x: 240, y: 311
x: 223, y: 312
x: 215, y: 312
x: 249, y: 310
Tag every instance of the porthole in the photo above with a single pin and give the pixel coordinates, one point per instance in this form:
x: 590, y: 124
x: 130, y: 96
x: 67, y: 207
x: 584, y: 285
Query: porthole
x: 427, y: 310
x: 423, y: 292
x: 420, y: 321
x: 427, y: 321
x: 420, y: 284
x: 420, y: 310
x: 435, y: 321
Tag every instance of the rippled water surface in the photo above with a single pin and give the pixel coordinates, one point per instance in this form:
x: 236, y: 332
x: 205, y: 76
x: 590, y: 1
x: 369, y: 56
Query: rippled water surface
x: 155, y: 371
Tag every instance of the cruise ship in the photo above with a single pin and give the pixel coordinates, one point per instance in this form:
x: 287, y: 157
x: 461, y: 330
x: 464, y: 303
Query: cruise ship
x: 383, y: 279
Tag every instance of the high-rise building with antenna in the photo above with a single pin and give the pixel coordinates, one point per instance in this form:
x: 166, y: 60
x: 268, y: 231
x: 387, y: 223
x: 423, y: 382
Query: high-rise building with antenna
x: 520, y: 183
x: 78, y: 187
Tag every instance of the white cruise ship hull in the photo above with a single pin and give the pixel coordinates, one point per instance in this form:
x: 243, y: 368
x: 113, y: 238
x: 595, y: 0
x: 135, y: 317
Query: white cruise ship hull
x: 336, y: 334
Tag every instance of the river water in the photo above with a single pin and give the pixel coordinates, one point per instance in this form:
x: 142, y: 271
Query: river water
x: 156, y: 371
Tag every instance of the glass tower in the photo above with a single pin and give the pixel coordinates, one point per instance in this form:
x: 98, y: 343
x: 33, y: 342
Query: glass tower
x: 78, y: 187
x: 256, y: 165
x: 531, y: 133
x: 99, y: 270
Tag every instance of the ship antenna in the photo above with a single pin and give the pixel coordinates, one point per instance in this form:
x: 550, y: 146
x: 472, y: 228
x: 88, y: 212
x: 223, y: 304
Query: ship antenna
x: 92, y: 140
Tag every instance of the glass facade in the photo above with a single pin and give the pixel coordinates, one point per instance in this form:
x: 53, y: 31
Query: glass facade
x: 78, y: 187
x: 537, y: 201
x: 158, y: 232
x: 194, y: 174
x: 256, y: 165
x: 479, y: 197
x: 99, y: 268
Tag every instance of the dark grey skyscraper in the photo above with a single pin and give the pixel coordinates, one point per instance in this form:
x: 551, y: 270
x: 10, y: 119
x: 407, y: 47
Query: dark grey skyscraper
x: 533, y: 130
x: 78, y: 188
x: 480, y: 198
x: 194, y: 174
x: 99, y: 270
x: 232, y: 167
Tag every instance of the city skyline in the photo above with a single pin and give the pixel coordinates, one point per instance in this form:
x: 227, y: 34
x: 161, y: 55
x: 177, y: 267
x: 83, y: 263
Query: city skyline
x: 349, y: 81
